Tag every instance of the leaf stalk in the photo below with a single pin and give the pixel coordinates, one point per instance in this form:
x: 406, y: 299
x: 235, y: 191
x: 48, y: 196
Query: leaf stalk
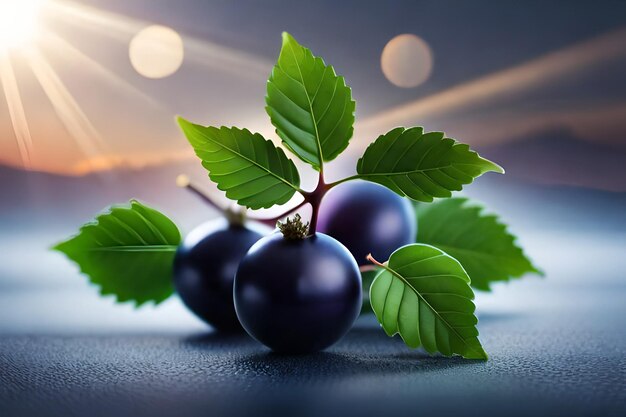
x: 370, y: 258
x: 341, y: 181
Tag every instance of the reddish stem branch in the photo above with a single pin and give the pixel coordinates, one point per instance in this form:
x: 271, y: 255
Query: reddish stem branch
x: 314, y: 198
x: 183, y: 181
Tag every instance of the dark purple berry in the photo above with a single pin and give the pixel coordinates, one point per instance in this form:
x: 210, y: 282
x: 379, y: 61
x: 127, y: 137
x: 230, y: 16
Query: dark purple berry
x: 205, y: 266
x: 367, y: 218
x: 297, y: 295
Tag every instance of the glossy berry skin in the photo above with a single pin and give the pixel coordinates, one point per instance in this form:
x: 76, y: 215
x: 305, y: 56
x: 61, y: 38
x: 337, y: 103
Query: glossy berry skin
x: 297, y: 296
x: 205, y: 266
x: 367, y: 218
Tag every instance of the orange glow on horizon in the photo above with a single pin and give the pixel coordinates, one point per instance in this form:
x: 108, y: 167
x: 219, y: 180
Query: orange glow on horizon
x: 72, y: 143
x: 69, y: 139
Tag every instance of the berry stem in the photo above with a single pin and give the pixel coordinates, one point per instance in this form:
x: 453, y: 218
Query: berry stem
x: 314, y: 198
x: 272, y: 220
x: 183, y: 181
x: 235, y: 216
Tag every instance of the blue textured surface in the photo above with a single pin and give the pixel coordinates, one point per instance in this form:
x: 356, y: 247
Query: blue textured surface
x: 556, y: 345
x: 569, y: 359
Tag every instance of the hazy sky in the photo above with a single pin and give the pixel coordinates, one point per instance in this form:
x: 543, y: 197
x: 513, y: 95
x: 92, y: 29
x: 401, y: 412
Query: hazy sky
x: 502, y: 71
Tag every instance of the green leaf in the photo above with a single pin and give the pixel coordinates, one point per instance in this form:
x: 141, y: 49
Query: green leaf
x: 127, y: 252
x: 421, y: 165
x: 249, y: 168
x: 479, y: 241
x: 310, y: 106
x: 424, y: 295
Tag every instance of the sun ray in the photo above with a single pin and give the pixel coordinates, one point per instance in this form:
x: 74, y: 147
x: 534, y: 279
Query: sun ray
x: 526, y: 77
x: 219, y: 57
x: 58, y: 43
x: 66, y: 107
x: 107, y: 23
x: 585, y: 120
x: 16, y: 109
x: 122, y: 28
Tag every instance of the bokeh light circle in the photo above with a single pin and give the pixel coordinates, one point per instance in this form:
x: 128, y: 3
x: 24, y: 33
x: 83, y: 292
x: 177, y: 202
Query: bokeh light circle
x: 407, y: 61
x: 156, y: 51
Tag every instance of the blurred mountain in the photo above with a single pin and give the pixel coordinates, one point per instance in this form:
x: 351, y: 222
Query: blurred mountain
x: 40, y: 200
x: 36, y: 199
x: 559, y: 157
x: 527, y: 205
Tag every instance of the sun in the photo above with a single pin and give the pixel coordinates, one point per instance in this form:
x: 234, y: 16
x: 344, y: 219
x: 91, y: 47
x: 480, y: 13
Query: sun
x: 19, y: 21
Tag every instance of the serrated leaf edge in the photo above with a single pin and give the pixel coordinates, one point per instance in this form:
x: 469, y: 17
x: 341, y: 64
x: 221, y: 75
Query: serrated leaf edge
x: 386, y: 267
x: 492, y: 166
x: 287, y: 39
x: 182, y: 122
x: 483, y: 211
x: 58, y: 247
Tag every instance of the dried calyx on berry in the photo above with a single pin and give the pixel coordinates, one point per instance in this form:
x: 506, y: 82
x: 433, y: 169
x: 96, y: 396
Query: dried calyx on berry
x: 293, y: 229
x: 236, y: 216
